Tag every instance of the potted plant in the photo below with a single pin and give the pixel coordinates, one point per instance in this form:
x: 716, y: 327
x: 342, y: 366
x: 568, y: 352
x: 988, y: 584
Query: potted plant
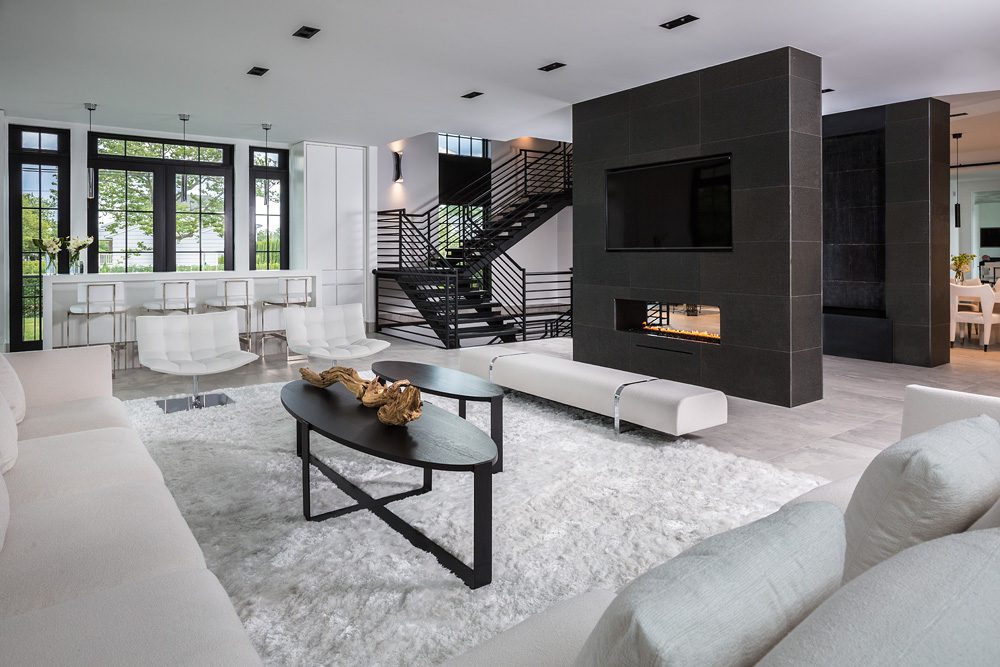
x: 75, y: 245
x: 49, y: 248
x: 961, y: 264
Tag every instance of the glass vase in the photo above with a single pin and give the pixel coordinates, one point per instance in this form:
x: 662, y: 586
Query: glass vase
x: 75, y: 266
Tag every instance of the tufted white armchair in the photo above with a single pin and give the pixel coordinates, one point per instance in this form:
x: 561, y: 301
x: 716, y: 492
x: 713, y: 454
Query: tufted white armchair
x: 192, y: 345
x: 331, y: 333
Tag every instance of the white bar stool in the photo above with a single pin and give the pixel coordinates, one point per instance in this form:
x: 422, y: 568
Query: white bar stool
x: 235, y: 294
x: 101, y: 300
x: 173, y: 296
x: 297, y: 291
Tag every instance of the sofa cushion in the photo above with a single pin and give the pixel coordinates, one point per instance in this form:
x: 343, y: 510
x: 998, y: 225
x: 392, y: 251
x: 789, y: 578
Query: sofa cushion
x: 4, y: 510
x: 926, y: 486
x: 8, y: 439
x: 182, y: 618
x: 727, y: 600
x: 60, y: 548
x: 991, y: 519
x: 84, y: 414
x: 937, y: 603
x: 552, y: 638
x: 838, y: 493
x: 62, y: 465
x: 11, y: 389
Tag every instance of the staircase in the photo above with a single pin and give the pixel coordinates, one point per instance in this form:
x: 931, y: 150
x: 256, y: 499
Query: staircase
x: 444, y: 275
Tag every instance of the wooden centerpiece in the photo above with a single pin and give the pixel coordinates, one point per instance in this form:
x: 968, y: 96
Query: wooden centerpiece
x: 397, y: 403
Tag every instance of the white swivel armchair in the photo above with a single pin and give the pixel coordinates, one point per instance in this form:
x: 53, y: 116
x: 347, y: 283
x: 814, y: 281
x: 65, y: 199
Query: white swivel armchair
x: 192, y: 345
x: 333, y: 333
x: 984, y: 316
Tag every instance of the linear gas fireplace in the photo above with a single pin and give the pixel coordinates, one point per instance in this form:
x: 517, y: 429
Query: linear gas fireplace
x: 685, y: 321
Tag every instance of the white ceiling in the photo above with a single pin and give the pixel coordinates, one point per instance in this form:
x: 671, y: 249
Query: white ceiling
x: 381, y: 70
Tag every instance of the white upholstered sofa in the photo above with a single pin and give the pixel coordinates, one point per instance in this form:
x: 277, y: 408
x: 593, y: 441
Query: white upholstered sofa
x: 97, y: 566
x: 904, y: 571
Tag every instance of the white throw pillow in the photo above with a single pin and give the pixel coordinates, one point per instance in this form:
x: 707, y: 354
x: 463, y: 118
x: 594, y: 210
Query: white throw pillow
x: 937, y: 603
x: 926, y: 486
x: 8, y: 440
x: 4, y: 510
x: 728, y: 600
x: 992, y: 517
x: 11, y: 389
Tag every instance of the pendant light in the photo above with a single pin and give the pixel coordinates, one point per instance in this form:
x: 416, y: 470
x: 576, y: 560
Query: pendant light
x: 958, y: 205
x: 90, y: 107
x: 267, y: 193
x: 184, y: 118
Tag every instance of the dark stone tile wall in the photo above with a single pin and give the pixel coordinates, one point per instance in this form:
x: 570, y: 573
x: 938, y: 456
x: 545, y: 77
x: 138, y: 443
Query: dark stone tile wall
x: 914, y: 198
x: 765, y: 110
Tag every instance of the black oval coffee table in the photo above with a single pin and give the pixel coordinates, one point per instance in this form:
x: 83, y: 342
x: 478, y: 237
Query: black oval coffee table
x: 450, y: 383
x: 439, y: 440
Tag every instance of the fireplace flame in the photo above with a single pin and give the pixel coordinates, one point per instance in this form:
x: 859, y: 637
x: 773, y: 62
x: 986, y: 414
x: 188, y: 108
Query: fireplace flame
x: 683, y: 333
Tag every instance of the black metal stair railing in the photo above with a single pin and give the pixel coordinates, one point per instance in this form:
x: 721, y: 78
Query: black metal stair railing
x: 444, y: 274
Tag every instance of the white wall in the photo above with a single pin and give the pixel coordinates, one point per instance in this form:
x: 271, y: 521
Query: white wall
x: 419, y: 189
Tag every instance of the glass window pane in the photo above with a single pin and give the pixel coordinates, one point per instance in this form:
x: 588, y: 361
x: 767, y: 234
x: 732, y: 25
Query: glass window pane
x: 29, y: 140
x: 261, y: 232
x: 213, y: 261
x: 274, y: 196
x: 111, y: 230
x: 30, y: 184
x: 477, y: 148
x: 48, y: 223
x: 140, y: 262
x: 213, y: 194
x: 189, y: 261
x: 442, y: 143
x: 139, y: 190
x: 452, y: 145
x: 111, y: 190
x: 144, y: 149
x: 49, y: 141
x: 187, y: 231
x: 211, y: 154
x: 187, y: 184
x: 139, y: 235
x: 180, y: 152
x: 49, y: 184
x: 213, y: 233
x: 30, y: 229
x: 110, y: 146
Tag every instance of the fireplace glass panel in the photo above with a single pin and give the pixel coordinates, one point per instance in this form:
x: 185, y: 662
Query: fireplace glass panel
x: 685, y: 321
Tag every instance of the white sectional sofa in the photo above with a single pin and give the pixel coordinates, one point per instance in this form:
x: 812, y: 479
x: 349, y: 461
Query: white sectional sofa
x: 97, y: 566
x: 662, y: 405
x: 929, y: 592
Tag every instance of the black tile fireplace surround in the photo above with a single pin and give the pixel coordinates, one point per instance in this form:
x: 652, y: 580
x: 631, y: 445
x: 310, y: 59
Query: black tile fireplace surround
x: 765, y: 111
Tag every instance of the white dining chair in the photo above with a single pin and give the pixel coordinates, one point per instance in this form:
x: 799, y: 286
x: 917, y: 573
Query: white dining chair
x: 330, y: 334
x: 172, y: 296
x: 984, y: 317
x: 101, y: 299
x: 292, y: 291
x: 192, y: 345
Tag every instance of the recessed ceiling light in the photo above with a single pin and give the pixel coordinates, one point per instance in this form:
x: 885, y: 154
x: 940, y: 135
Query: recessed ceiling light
x: 676, y: 23
x: 305, y: 32
x: 473, y: 94
x: 827, y: 90
x: 552, y: 66
x: 257, y: 71
x: 963, y: 113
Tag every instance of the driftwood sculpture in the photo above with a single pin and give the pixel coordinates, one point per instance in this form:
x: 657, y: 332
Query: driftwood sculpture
x: 397, y: 403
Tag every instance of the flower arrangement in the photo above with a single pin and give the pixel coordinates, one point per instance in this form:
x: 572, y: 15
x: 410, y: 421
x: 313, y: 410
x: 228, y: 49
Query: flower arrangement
x: 52, y: 246
x: 75, y: 246
x: 961, y: 264
x: 49, y: 247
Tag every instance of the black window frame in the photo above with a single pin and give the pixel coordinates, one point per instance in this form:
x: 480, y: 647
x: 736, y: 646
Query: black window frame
x: 462, y: 139
x: 165, y: 171
x: 279, y: 173
x: 16, y: 158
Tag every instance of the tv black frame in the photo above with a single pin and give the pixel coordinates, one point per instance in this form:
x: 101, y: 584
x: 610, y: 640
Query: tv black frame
x: 700, y: 158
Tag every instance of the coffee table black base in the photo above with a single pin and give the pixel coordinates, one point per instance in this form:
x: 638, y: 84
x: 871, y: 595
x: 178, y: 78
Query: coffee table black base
x: 481, y: 572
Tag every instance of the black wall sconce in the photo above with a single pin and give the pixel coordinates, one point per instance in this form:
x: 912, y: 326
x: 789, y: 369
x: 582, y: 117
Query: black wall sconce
x: 397, y: 166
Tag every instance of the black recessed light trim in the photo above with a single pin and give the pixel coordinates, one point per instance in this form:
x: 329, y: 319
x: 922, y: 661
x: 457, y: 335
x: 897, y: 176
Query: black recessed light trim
x: 678, y: 22
x: 827, y: 90
x: 551, y: 66
x: 257, y: 71
x: 305, y: 32
x: 472, y: 95
x: 961, y: 113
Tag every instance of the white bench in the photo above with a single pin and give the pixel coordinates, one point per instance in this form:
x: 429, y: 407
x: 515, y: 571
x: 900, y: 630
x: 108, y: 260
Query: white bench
x: 662, y: 405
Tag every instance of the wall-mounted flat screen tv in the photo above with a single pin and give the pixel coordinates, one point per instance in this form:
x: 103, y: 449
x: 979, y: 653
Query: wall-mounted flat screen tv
x: 989, y: 237
x: 682, y: 205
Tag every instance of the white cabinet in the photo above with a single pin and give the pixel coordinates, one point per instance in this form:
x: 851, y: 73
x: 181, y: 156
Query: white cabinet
x: 330, y: 215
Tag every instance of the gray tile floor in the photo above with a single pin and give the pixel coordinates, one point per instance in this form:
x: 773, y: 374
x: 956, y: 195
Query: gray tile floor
x: 859, y: 415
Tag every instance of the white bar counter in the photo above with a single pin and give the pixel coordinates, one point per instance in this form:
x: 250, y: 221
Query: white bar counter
x: 59, y: 292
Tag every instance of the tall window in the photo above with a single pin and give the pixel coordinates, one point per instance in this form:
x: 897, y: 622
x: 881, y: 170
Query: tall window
x: 459, y: 144
x: 39, y: 210
x: 268, y: 208
x: 161, y: 205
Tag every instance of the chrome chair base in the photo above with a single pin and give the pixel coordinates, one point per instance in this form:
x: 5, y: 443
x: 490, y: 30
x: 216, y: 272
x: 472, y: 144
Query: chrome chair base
x: 183, y: 403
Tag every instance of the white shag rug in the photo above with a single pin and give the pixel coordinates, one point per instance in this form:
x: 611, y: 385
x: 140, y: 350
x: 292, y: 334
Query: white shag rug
x: 574, y: 509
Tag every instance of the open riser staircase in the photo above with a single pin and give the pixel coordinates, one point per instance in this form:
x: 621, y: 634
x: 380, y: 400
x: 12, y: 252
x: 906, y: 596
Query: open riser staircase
x: 445, y: 276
